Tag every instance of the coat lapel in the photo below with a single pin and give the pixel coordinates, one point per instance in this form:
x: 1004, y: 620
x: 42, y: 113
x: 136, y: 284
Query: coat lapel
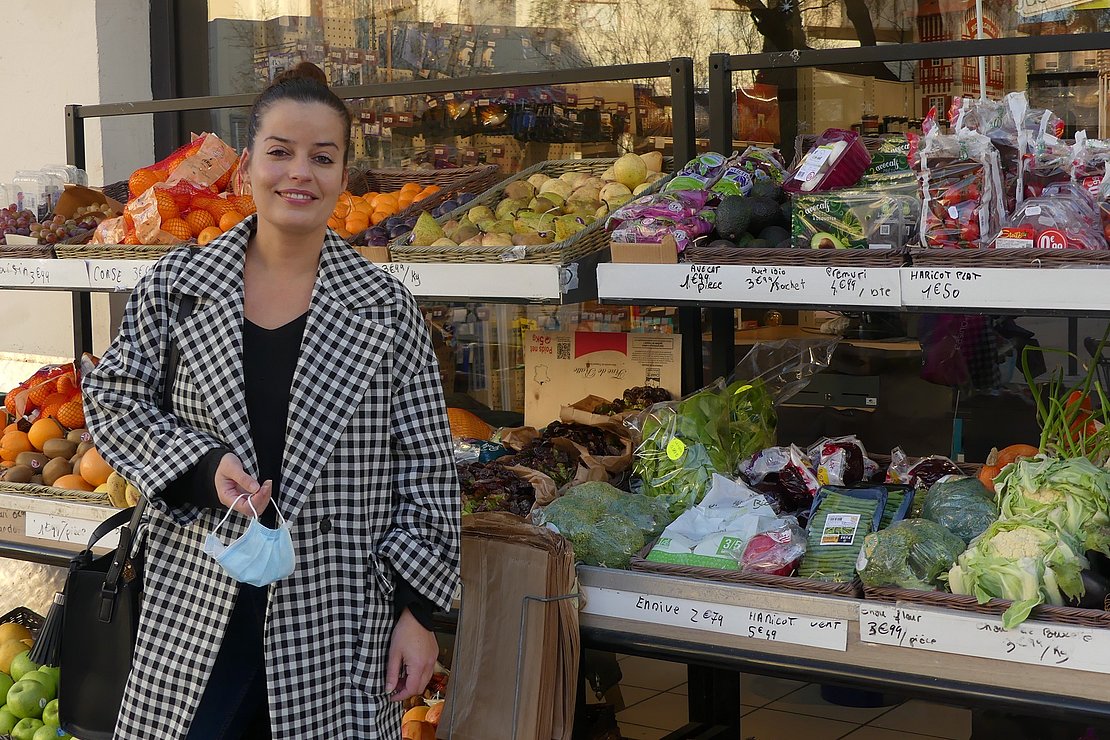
x: 340, y: 353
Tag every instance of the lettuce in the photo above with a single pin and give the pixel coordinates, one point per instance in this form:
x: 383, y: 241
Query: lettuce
x: 1072, y: 494
x: 1026, y: 561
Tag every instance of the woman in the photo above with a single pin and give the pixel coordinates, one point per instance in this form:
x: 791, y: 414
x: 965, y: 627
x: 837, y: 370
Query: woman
x: 307, y: 387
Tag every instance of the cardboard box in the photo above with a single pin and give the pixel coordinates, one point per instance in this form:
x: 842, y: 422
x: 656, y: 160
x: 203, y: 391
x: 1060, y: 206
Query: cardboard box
x: 646, y: 254
x: 374, y: 254
x: 561, y: 368
x: 76, y: 196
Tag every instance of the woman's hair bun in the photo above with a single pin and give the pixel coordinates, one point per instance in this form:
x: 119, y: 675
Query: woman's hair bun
x: 306, y: 70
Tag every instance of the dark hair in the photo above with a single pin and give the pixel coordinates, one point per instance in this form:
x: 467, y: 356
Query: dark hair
x: 305, y: 83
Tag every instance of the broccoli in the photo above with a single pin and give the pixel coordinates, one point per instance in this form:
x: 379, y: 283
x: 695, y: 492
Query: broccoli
x: 613, y: 542
x: 912, y: 553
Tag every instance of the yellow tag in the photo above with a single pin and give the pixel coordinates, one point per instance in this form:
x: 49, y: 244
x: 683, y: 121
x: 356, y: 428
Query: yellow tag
x: 823, y: 476
x: 676, y: 448
x: 741, y: 389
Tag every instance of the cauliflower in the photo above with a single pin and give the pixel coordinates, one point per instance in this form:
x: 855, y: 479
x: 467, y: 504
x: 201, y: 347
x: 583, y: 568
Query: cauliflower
x: 1023, y: 542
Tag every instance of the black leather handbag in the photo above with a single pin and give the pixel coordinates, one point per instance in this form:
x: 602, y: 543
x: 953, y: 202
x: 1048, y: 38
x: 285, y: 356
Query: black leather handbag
x: 100, y: 611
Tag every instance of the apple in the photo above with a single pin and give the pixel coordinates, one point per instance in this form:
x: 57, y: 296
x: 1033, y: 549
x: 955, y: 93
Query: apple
x: 50, y: 714
x: 26, y: 728
x: 6, y: 683
x: 49, y: 732
x: 28, y: 699
x: 22, y: 664
x: 7, y: 720
x: 45, y: 679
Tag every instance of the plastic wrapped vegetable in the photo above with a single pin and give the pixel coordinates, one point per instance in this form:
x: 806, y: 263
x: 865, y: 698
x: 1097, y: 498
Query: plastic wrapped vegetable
x: 899, y: 502
x: 912, y: 553
x: 879, y: 217
x: 840, y: 520
x: 700, y: 173
x: 838, y: 160
x: 786, y: 474
x: 1058, y: 220
x: 920, y: 472
x: 962, y: 504
x: 1071, y: 494
x: 752, y: 419
x: 775, y: 551
x: 1025, y: 561
x: 683, y: 444
x: 841, y: 461
x: 961, y: 190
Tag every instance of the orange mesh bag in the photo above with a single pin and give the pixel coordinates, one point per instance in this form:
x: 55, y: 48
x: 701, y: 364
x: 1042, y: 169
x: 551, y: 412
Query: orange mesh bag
x: 158, y: 213
x: 206, y: 160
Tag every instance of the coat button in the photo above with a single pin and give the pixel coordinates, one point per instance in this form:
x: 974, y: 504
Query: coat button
x: 325, y: 525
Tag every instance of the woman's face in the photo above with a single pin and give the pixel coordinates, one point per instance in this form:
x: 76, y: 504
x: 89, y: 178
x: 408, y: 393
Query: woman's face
x: 295, y: 166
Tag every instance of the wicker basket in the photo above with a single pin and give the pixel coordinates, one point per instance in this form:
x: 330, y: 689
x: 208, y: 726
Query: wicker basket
x: 706, y: 255
x: 1043, y: 613
x: 24, y: 617
x: 852, y: 590
x: 28, y: 251
x: 465, y: 424
x: 591, y: 239
x: 115, y: 251
x: 451, y: 182
x: 1012, y: 258
x: 60, y: 494
x: 118, y: 191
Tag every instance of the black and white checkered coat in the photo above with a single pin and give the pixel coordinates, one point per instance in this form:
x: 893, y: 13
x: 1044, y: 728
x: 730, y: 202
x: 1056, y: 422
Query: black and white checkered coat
x: 368, y: 487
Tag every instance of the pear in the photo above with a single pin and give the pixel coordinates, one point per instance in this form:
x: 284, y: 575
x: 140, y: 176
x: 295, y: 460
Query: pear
x: 618, y: 200
x: 568, y: 226
x: 508, y: 207
x: 464, y: 232
x: 474, y: 241
x: 630, y: 170
x: 528, y: 239
x: 585, y: 194
x: 478, y: 214
x: 426, y: 231
x: 537, y: 180
x: 560, y: 187
x: 522, y: 225
x: 487, y: 224
x: 545, y: 222
x: 497, y: 240
x: 602, y: 211
x: 543, y: 204
x: 641, y: 188
x: 445, y: 242
x: 609, y: 175
x: 520, y: 190
x: 655, y: 177
x: 504, y: 226
x: 612, y: 191
x: 653, y: 161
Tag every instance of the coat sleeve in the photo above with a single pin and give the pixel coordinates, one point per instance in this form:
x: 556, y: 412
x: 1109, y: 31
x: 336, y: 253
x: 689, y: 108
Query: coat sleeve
x: 422, y: 544
x: 148, y: 446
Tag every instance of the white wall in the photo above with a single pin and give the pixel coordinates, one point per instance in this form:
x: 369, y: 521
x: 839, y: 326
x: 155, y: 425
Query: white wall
x: 104, y: 57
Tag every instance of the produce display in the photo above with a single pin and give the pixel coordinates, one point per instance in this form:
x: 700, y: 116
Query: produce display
x: 838, y: 523
x: 542, y: 209
x: 54, y: 229
x: 30, y: 710
x: 355, y: 215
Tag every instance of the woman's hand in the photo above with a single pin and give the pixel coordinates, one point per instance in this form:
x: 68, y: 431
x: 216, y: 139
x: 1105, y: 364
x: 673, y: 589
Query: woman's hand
x: 412, y: 658
x: 232, y: 482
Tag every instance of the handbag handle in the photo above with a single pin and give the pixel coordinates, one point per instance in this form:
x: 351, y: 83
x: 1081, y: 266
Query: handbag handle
x: 134, y: 515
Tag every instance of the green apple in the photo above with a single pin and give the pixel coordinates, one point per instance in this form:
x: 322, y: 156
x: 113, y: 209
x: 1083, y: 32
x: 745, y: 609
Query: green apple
x: 6, y: 683
x: 28, y: 699
x: 22, y: 664
x: 45, y: 679
x: 50, y: 732
x: 7, y: 720
x: 26, y: 728
x: 52, y: 670
x: 50, y: 714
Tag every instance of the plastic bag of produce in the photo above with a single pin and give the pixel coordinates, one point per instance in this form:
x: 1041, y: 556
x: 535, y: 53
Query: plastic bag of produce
x: 838, y: 523
x: 961, y: 504
x: 912, y: 553
x: 838, y: 160
x: 205, y: 161
x: 890, y: 161
x: 776, y: 550
x: 899, y: 503
x: 684, y: 215
x: 878, y: 217
x: 961, y: 190
x: 841, y: 461
x: 764, y: 164
x: 919, y: 472
x: 786, y: 474
x: 1062, y: 219
x: 700, y: 173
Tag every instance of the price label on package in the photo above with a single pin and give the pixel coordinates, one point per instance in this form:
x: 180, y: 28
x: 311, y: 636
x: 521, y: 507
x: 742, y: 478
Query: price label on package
x: 1034, y: 643
x: 726, y: 619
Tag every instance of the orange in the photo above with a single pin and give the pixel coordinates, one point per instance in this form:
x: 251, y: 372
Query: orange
x: 67, y: 383
x: 53, y: 404
x: 405, y: 201
x: 72, y: 414
x: 356, y: 223
x: 208, y: 234
x: 334, y: 223
x: 378, y: 216
x: 411, y: 187
x: 131, y: 239
x: 416, y: 714
x: 344, y: 205
x: 13, y: 427
x: 74, y: 482
x: 244, y: 204
x: 44, y: 430
x: 218, y: 207
x: 93, y: 467
x: 360, y: 206
x: 178, y: 228
x: 142, y: 180
x: 344, y: 233
x: 16, y: 442
x: 230, y: 219
x: 199, y: 220
x: 167, y: 206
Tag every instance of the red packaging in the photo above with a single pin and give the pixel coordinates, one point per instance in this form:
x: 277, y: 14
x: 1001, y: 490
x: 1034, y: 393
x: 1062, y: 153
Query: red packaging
x: 960, y: 188
x: 837, y: 160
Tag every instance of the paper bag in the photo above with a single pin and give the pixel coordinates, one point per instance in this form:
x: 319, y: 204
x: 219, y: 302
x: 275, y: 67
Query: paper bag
x: 504, y: 561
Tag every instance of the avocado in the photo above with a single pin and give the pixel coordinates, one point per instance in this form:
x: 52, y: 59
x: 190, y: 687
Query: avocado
x: 786, y: 212
x: 774, y: 234
x: 721, y: 244
x: 825, y: 240
x: 784, y: 244
x: 744, y: 240
x: 760, y: 244
x: 766, y: 189
x: 765, y: 212
x: 734, y: 216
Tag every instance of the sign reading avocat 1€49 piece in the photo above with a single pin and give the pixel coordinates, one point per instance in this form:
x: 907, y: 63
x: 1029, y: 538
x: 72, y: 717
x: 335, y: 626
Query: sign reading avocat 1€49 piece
x: 561, y: 368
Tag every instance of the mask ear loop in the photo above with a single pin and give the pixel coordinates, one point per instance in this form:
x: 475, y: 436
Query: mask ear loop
x: 231, y: 509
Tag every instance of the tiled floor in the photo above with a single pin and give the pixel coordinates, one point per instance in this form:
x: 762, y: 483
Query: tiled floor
x: 654, y: 694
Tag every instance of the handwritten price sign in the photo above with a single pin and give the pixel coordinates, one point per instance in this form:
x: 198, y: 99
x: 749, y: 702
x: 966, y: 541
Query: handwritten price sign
x: 65, y: 529
x: 117, y: 274
x: 1035, y: 643
x: 46, y: 274
x: 740, y: 621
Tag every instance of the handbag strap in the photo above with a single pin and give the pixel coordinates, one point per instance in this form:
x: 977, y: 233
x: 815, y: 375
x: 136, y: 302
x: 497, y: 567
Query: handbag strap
x: 134, y: 516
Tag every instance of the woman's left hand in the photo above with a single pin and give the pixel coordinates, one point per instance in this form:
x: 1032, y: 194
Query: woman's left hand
x: 412, y: 658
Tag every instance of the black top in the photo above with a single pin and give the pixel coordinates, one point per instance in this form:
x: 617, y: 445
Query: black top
x: 269, y: 362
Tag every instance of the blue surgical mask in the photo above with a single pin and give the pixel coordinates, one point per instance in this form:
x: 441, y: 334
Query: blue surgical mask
x: 261, y: 556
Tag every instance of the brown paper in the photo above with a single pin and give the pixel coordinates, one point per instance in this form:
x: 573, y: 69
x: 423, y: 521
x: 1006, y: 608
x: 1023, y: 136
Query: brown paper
x: 517, y: 438
x: 542, y: 484
x: 493, y: 671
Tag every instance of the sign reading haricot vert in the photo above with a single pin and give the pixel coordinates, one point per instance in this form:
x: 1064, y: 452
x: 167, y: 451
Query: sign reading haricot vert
x: 982, y: 636
x: 725, y: 619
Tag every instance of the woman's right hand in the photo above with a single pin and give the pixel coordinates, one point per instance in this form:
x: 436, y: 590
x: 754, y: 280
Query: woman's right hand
x: 232, y: 482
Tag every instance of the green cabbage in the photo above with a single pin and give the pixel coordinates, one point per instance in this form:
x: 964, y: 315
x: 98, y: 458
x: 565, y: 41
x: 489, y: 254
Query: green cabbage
x: 1026, y: 561
x: 912, y: 553
x: 1072, y: 494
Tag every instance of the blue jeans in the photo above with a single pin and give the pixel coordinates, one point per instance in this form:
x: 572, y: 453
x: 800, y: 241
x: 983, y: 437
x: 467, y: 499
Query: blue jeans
x: 234, y: 705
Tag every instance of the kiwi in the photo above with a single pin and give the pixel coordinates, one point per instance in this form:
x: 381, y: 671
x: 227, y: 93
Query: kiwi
x: 19, y: 474
x: 33, y: 460
x: 55, y: 469
x: 37, y: 480
x: 79, y: 436
x: 84, y: 447
x: 59, y: 448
